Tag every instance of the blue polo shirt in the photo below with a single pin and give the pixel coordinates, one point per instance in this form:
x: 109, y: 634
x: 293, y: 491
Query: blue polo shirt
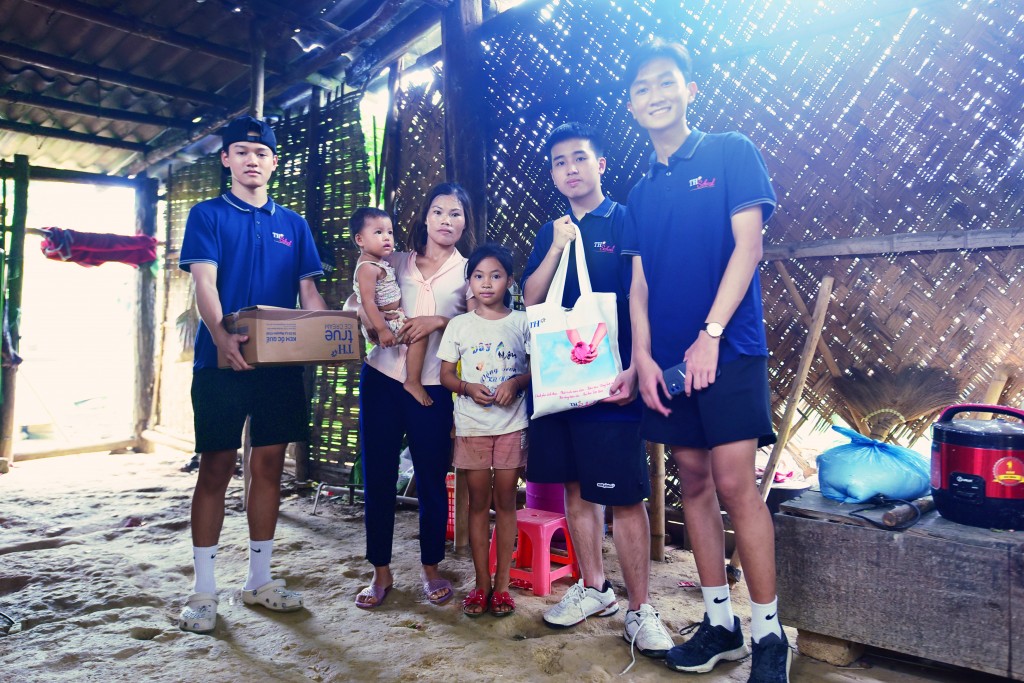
x: 260, y: 253
x: 680, y: 223
x: 601, y: 231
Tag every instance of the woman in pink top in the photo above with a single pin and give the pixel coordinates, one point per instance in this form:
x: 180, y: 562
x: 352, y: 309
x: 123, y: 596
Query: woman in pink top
x: 433, y: 282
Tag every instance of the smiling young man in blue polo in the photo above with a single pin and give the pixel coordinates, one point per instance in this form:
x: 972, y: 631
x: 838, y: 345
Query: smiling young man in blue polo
x: 596, y: 452
x: 694, y: 231
x: 242, y: 250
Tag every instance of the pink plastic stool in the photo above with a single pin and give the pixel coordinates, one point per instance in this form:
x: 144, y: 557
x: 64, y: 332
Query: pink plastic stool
x: 532, y: 558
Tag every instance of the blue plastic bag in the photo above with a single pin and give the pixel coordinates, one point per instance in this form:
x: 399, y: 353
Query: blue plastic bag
x: 864, y: 468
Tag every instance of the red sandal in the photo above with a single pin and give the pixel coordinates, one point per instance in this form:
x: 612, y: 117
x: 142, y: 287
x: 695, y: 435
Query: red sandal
x: 476, y: 598
x: 502, y: 599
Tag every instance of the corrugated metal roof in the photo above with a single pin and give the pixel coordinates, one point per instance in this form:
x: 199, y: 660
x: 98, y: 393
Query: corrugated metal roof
x: 50, y: 51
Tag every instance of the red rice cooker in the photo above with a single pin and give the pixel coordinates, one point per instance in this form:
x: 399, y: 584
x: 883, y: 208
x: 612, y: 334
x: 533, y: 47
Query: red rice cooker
x: 978, y: 467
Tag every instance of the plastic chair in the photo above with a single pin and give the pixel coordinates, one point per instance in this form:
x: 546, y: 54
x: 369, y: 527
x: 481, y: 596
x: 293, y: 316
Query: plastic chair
x: 532, y: 558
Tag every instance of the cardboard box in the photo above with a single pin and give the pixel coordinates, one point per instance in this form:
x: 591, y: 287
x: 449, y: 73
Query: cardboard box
x: 284, y: 336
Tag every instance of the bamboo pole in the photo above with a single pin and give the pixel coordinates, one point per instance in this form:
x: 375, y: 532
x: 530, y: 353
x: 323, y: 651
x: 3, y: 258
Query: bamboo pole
x: 826, y: 354
x: 15, y: 283
x: 656, y: 453
x: 923, y: 427
x: 145, y: 336
x: 806, y: 358
x: 996, y: 387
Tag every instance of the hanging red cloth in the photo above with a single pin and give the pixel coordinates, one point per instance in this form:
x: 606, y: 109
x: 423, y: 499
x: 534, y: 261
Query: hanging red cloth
x: 93, y: 249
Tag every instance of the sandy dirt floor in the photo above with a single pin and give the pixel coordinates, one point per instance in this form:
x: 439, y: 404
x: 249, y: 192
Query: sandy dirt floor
x: 95, y: 560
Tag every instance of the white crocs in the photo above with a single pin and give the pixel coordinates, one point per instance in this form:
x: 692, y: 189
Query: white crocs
x: 274, y: 596
x: 199, y: 615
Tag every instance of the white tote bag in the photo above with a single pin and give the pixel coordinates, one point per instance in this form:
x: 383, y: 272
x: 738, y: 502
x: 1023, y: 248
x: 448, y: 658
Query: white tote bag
x: 574, y: 352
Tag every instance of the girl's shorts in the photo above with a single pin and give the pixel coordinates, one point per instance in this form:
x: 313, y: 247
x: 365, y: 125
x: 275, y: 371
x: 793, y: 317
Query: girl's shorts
x: 502, y: 452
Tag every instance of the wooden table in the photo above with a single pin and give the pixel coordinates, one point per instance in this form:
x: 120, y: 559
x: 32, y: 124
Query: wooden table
x: 940, y: 590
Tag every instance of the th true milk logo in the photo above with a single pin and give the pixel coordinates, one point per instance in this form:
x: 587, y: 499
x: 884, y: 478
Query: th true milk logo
x: 281, y: 239
x: 701, y: 183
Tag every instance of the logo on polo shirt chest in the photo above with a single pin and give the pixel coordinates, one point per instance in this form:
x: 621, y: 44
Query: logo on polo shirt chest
x: 281, y: 239
x: 701, y: 183
x: 604, y: 248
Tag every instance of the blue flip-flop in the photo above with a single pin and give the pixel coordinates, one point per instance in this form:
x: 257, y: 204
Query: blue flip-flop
x: 372, y: 591
x: 431, y: 586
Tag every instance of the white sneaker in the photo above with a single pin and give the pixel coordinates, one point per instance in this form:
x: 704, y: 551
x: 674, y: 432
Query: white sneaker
x: 580, y: 602
x: 645, y: 631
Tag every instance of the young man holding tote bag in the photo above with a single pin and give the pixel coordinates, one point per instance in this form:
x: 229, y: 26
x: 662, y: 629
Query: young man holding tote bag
x: 596, y: 451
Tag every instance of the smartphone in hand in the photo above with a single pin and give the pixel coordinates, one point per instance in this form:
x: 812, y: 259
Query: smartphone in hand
x: 675, y: 378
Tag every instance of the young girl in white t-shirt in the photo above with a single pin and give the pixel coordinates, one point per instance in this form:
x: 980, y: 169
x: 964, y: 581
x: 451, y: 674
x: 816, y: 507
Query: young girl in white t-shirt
x: 492, y: 343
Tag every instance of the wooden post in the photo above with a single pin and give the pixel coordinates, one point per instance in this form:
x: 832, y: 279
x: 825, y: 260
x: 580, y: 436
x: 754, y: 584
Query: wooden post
x: 145, y: 340
x: 797, y: 390
x: 314, y: 216
x: 256, y: 69
x: 656, y: 453
x: 465, y: 122
x: 15, y: 284
x: 390, y: 154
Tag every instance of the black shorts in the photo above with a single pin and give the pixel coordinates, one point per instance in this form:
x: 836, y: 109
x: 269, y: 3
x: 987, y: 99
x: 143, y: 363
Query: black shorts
x: 608, y: 459
x: 735, y: 408
x: 275, y: 398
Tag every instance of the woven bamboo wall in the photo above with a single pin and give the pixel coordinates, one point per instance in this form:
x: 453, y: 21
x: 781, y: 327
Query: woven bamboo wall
x: 339, y: 182
x: 188, y: 186
x: 874, y: 118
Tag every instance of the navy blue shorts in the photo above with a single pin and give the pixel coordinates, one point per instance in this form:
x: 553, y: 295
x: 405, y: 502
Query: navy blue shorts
x: 735, y: 408
x: 275, y: 398
x: 608, y: 459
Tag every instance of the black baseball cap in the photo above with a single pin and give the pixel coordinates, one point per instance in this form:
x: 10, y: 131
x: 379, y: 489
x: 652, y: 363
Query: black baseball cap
x: 249, y: 129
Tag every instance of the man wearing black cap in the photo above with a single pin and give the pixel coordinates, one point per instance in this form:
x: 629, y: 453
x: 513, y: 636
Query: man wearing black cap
x: 242, y: 250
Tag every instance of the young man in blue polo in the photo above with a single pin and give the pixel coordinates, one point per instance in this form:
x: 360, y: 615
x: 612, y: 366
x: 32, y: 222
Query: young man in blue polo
x: 595, y: 451
x: 242, y: 250
x: 694, y: 231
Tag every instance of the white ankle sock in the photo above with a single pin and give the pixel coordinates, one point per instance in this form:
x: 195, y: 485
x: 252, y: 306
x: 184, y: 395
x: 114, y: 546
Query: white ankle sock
x: 718, y: 605
x: 764, y: 619
x: 259, y: 563
x: 202, y: 560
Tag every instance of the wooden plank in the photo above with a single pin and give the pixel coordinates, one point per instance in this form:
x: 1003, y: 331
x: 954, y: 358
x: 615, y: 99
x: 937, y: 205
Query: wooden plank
x: 813, y: 505
x: 54, y: 103
x: 922, y: 596
x: 950, y: 240
x: 73, y: 136
x: 391, y: 46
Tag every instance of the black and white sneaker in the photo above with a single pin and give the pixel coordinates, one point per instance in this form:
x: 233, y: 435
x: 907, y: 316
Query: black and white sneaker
x: 771, y: 661
x: 708, y: 646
